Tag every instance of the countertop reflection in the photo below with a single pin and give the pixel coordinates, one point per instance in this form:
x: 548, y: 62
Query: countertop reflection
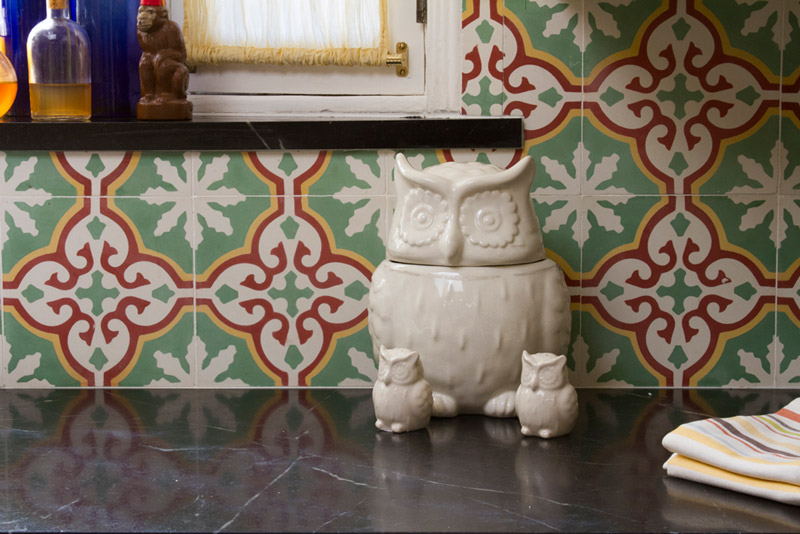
x: 312, y: 460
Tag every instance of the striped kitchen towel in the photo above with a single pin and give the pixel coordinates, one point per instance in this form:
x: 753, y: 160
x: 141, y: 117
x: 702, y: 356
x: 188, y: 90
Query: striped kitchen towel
x: 757, y: 454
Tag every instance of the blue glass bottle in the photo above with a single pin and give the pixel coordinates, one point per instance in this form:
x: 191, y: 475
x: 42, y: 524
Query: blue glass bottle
x: 22, y: 16
x: 111, y: 25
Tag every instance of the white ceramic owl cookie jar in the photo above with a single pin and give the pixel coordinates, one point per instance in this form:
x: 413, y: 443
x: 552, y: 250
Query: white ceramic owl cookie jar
x: 401, y: 396
x: 466, y: 283
x: 547, y: 404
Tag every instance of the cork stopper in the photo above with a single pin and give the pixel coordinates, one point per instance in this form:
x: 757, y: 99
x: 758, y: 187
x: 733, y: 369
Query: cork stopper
x: 58, y: 4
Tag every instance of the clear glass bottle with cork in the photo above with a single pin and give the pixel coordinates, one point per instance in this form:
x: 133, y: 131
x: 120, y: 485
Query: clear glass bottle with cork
x: 59, y: 67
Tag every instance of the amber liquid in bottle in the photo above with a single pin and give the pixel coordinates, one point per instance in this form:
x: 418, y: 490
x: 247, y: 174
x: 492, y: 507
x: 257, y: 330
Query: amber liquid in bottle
x: 8, y: 90
x: 61, y: 100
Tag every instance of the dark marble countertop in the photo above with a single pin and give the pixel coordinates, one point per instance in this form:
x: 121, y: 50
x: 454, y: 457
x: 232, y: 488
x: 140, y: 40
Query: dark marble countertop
x: 284, y: 134
x: 311, y: 460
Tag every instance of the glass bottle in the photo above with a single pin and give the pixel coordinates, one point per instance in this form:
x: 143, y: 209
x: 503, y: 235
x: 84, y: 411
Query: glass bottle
x: 111, y: 26
x: 21, y: 17
x: 3, y: 27
x: 8, y: 84
x: 8, y: 77
x: 59, y: 67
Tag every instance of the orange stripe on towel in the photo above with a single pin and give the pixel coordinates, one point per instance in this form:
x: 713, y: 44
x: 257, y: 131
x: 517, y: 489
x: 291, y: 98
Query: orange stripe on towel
x: 788, y: 414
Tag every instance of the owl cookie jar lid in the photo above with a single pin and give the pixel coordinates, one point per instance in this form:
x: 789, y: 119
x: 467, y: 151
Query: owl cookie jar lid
x: 464, y: 214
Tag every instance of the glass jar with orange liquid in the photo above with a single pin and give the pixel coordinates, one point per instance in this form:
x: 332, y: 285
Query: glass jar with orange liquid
x: 8, y: 77
x: 59, y: 67
x: 8, y: 84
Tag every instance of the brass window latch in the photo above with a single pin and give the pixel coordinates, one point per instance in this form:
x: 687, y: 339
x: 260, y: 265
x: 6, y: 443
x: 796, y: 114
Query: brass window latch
x: 399, y: 59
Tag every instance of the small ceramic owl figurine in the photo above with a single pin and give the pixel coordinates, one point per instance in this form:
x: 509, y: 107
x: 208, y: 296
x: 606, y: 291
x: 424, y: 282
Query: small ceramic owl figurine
x: 402, y: 397
x: 547, y: 404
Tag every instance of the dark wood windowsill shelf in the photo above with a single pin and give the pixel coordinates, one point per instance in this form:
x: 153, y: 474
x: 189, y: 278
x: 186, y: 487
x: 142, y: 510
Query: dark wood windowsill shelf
x: 321, y: 134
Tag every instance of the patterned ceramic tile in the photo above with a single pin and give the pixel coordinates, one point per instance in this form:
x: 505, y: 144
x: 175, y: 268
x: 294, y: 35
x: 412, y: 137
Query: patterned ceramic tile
x: 558, y: 160
x: 619, y: 313
x: 753, y: 165
x: 560, y: 224
x: 612, y: 29
x: 97, y: 173
x: 680, y: 96
x: 791, y: 62
x: 788, y: 156
x: 755, y: 28
x: 608, y: 356
x: 356, y: 173
x: 157, y: 174
x: 542, y: 63
x: 682, y: 291
x: 482, y: 43
x: 295, y: 304
x: 91, y: 289
x: 286, y: 171
x: 552, y: 31
x: 787, y: 339
x: 34, y: 174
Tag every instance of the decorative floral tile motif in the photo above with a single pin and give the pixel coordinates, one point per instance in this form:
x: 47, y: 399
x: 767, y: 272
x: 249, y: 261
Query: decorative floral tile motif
x: 291, y: 304
x: 754, y: 28
x: 34, y: 174
x: 684, y: 294
x: 77, y: 275
x: 553, y: 30
x: 352, y: 173
x: 787, y: 338
x: 753, y: 165
x: 681, y: 95
x: 482, y: 42
x: 560, y: 223
x: 788, y: 157
x: 542, y: 69
x: 285, y: 170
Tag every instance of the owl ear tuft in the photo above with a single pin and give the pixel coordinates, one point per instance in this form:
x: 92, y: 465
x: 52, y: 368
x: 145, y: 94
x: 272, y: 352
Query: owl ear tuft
x: 408, y: 175
x: 406, y: 356
x: 530, y: 358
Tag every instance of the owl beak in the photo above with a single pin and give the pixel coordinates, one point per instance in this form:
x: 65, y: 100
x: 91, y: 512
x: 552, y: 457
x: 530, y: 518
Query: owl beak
x: 451, y: 243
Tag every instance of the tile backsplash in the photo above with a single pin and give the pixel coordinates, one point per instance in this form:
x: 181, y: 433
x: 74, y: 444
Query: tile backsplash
x: 667, y: 142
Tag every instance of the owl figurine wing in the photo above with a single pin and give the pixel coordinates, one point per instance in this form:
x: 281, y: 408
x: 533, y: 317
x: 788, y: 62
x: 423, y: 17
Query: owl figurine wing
x: 422, y: 397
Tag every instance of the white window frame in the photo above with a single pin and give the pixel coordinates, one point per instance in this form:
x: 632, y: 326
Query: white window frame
x: 440, y: 93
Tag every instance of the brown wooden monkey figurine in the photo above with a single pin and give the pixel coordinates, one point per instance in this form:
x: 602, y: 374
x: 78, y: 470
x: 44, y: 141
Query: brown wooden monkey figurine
x: 163, y: 74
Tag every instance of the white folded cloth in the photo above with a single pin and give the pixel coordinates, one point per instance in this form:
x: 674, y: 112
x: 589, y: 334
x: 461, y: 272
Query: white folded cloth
x: 756, y: 454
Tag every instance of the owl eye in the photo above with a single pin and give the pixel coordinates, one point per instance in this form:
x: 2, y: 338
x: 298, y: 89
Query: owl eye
x: 489, y: 219
x: 424, y: 217
x: 549, y: 376
x: 401, y: 373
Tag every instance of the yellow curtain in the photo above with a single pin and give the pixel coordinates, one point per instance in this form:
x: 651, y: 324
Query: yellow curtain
x: 286, y: 32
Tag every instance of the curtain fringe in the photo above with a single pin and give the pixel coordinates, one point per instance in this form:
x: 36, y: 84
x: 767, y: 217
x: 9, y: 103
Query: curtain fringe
x: 200, y: 51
